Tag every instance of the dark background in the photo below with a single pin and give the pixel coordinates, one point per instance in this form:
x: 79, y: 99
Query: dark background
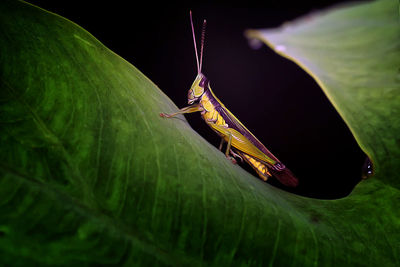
x: 275, y: 99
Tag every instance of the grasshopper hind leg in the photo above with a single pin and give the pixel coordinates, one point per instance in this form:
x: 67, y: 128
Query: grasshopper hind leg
x: 231, y: 152
x: 235, y: 155
x: 221, y: 144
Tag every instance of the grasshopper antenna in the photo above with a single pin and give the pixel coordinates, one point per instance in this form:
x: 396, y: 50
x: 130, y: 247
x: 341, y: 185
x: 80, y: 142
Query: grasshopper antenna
x: 203, y: 33
x: 194, y: 41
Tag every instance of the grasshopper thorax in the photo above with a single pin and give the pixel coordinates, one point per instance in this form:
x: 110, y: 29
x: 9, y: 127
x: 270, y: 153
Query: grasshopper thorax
x: 198, y: 88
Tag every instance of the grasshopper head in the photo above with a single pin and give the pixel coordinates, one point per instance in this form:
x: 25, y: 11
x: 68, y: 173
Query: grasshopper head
x: 198, y: 88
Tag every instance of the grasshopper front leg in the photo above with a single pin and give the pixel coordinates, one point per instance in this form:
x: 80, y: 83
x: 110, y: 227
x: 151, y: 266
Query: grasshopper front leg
x: 189, y: 109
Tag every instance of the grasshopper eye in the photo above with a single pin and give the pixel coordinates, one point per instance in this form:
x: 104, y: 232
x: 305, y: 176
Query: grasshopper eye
x: 191, y: 97
x: 190, y: 94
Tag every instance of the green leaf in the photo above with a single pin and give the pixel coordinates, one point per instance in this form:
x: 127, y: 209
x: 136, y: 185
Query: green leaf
x: 353, y: 53
x: 90, y: 174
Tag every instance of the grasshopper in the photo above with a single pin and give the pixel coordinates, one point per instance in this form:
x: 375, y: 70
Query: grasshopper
x: 241, y: 143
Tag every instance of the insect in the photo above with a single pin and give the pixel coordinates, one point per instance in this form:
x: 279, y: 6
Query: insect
x: 241, y: 143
